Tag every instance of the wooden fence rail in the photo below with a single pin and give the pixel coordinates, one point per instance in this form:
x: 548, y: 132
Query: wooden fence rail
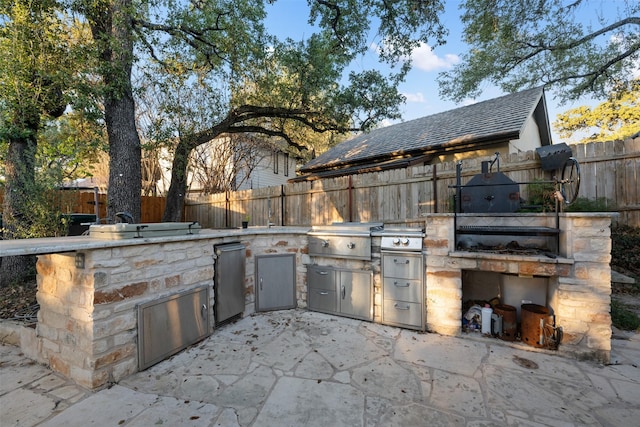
x: 609, y: 170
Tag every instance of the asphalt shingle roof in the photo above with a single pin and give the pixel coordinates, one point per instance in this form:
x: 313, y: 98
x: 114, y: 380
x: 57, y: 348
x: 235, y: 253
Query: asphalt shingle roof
x: 499, y: 117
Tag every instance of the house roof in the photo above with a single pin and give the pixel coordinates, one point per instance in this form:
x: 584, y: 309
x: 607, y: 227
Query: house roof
x: 495, y: 120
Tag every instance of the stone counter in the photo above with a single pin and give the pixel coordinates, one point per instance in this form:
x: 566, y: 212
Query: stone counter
x: 89, y: 291
x: 52, y: 245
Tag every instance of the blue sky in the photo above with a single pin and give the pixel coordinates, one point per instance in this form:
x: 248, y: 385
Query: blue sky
x: 289, y: 18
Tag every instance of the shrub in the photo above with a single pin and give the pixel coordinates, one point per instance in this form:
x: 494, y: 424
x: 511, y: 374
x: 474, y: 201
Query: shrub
x: 623, y: 318
x: 601, y: 204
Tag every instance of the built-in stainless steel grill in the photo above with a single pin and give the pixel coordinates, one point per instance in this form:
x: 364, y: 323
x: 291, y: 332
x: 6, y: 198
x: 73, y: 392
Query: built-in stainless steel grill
x: 343, y: 286
x: 401, y: 239
x: 351, y: 240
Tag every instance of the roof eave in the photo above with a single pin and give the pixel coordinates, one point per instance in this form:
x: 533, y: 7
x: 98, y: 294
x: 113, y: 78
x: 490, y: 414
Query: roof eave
x: 393, y: 162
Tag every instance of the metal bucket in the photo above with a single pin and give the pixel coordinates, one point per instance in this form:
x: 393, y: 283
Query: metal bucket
x: 509, y: 321
x: 533, y: 320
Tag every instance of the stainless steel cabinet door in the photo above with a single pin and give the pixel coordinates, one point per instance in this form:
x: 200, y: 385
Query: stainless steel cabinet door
x: 355, y: 294
x: 275, y: 282
x: 168, y: 325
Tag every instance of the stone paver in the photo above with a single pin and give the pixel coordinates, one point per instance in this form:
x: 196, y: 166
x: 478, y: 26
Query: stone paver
x: 299, y: 368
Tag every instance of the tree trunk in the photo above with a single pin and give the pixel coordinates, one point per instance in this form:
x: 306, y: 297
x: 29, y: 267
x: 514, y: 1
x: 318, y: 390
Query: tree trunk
x: 20, y: 178
x: 125, y: 177
x: 178, y: 187
x: 114, y: 29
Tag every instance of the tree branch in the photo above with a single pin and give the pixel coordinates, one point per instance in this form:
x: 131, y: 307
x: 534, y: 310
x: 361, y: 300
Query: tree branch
x: 192, y: 37
x: 235, y: 119
x: 539, y: 48
x: 592, y: 76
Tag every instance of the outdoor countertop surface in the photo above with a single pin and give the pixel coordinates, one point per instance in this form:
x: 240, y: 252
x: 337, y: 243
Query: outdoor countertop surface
x: 50, y: 245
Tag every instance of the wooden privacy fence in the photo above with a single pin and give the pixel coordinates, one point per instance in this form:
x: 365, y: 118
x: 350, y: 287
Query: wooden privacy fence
x: 83, y: 201
x: 152, y: 207
x: 609, y: 170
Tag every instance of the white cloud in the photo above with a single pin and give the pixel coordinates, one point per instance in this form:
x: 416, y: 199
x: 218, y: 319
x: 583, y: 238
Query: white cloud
x: 384, y: 123
x: 425, y: 59
x: 415, y: 97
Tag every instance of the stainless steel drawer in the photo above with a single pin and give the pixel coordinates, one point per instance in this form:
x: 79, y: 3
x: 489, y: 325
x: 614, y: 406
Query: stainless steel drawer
x: 321, y: 277
x: 322, y: 300
x: 402, y: 313
x: 402, y: 289
x: 402, y: 266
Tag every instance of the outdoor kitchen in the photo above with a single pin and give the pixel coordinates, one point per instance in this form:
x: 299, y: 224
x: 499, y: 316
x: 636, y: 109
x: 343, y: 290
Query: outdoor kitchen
x: 127, y: 296
x: 91, y: 290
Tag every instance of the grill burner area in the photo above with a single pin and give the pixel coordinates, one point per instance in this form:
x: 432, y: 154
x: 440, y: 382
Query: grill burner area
x: 511, y: 248
x: 401, y: 239
x: 342, y: 240
x: 501, y: 231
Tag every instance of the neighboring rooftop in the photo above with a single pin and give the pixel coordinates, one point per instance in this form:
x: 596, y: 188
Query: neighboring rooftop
x: 495, y: 120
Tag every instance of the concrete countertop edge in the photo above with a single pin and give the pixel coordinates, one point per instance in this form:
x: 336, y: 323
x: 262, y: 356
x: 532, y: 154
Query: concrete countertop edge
x: 51, y: 245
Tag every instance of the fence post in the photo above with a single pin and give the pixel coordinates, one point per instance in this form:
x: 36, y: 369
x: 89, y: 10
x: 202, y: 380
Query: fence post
x: 282, y: 205
x: 227, y: 209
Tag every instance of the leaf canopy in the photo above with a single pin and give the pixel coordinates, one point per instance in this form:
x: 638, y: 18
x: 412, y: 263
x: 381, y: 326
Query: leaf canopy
x: 578, y: 47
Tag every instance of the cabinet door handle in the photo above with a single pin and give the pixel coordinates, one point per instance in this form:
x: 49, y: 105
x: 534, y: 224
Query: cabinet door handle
x: 203, y: 311
x: 261, y: 283
x: 323, y: 293
x: 343, y: 291
x: 395, y: 261
x: 401, y: 285
x: 399, y: 307
x: 322, y: 273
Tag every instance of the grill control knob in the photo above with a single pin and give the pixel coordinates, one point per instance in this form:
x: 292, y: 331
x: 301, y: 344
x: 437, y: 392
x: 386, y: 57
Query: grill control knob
x: 405, y: 241
x: 396, y: 241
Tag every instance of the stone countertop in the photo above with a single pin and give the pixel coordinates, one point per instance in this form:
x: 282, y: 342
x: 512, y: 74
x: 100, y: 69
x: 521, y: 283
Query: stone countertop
x: 51, y: 245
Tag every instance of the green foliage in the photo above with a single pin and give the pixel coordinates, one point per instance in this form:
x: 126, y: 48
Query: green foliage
x: 615, y: 119
x: 40, y: 214
x: 541, y: 197
x: 224, y: 48
x: 623, y: 318
x: 625, y: 250
x: 574, y: 47
x: 43, y: 63
x: 583, y: 204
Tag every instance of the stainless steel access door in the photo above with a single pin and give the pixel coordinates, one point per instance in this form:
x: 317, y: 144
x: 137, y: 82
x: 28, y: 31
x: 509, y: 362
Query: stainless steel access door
x: 168, y: 325
x: 275, y: 282
x: 228, y: 282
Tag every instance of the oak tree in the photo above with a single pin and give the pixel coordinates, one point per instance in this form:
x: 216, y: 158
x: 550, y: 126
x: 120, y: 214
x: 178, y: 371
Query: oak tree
x: 577, y: 47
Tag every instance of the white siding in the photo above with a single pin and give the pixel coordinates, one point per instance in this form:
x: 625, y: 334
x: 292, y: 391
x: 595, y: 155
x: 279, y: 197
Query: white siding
x: 267, y: 174
x: 529, y: 138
